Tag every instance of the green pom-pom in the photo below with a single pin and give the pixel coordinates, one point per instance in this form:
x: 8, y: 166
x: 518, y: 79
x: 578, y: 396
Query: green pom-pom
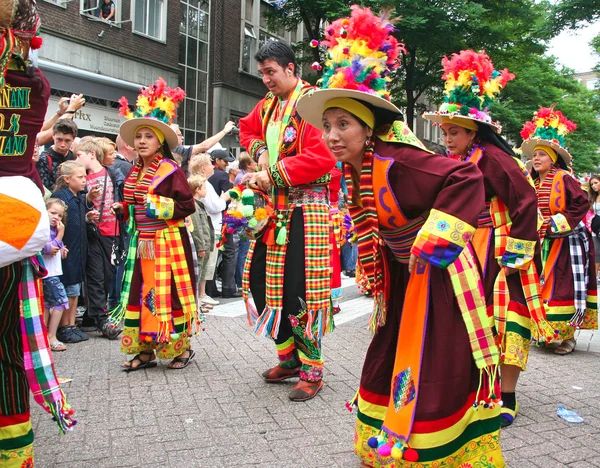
x: 464, y: 110
x: 234, y: 194
x: 247, y: 210
x: 452, y: 108
x: 281, y: 236
x: 252, y: 223
x: 248, y: 197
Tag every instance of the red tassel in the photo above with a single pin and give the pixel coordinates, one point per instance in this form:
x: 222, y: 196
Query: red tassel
x: 411, y: 455
x: 36, y: 42
x: 269, y: 236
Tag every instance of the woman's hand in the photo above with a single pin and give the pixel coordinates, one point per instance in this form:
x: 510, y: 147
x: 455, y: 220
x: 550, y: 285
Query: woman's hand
x: 413, y: 261
x: 116, y: 208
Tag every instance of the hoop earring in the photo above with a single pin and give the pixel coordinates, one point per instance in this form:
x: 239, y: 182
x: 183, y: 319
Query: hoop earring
x: 368, y: 142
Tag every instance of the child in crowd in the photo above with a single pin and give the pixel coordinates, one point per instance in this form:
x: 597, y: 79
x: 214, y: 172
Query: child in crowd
x: 102, y: 229
x: 55, y: 297
x: 70, y: 185
x: 203, y: 233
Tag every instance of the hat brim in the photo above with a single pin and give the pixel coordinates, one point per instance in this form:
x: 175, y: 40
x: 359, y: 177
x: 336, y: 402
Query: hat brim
x: 129, y: 127
x: 438, y: 117
x: 529, y: 145
x: 311, y: 106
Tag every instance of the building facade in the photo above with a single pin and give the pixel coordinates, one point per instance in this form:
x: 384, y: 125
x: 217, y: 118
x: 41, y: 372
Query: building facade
x: 105, y: 60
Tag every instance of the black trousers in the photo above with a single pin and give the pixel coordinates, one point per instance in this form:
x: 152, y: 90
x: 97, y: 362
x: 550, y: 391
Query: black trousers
x: 13, y: 382
x: 294, y: 278
x: 99, y: 274
x: 226, y: 265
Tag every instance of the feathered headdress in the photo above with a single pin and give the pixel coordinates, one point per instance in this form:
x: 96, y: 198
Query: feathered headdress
x: 548, y: 128
x: 156, y: 101
x: 361, y: 55
x: 472, y: 86
x: 156, y: 106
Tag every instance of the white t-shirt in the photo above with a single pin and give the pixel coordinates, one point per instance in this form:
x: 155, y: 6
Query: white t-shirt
x: 214, y: 205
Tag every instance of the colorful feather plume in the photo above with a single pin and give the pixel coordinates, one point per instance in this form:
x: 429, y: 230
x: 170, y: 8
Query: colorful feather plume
x: 362, y: 53
x: 548, y: 124
x: 157, y: 101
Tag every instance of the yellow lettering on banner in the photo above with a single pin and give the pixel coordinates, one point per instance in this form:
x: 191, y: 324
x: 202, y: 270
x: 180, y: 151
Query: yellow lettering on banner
x: 14, y: 98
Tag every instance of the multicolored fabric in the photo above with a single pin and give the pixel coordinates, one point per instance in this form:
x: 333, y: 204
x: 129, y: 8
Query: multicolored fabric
x: 38, y: 362
x: 580, y: 256
x: 468, y: 289
x: 467, y: 439
x: 16, y: 441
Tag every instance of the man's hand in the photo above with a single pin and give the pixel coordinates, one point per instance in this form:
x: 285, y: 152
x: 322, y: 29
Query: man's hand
x: 116, y: 208
x: 63, y: 105
x: 261, y: 181
x: 263, y: 161
x: 413, y: 261
x: 228, y: 127
x: 77, y: 101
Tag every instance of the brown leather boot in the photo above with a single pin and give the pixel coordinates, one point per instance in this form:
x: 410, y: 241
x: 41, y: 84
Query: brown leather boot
x: 278, y: 373
x: 305, y: 390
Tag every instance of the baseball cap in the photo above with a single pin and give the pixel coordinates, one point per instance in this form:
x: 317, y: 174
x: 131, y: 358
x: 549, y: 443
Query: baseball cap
x: 222, y: 154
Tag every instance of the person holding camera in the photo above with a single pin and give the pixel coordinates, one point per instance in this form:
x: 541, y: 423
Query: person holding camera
x: 593, y: 192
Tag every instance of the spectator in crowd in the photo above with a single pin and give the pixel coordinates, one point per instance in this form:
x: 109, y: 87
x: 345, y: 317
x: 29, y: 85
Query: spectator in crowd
x: 107, y: 10
x: 247, y: 165
x: 202, y: 233
x: 186, y: 152
x: 70, y: 186
x: 228, y: 255
x: 55, y: 296
x: 64, y: 132
x: 101, y: 230
x: 214, y: 204
x: 67, y: 107
x: 233, y: 169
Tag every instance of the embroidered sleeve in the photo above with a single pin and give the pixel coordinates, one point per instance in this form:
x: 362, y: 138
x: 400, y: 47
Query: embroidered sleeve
x: 518, y: 253
x: 278, y: 175
x: 256, y: 149
x: 159, y: 207
x: 559, y: 224
x: 442, y: 238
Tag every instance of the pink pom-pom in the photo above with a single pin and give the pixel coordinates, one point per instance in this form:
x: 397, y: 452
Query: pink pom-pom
x: 314, y: 43
x: 385, y: 450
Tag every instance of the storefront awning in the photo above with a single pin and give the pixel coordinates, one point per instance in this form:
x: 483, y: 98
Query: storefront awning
x: 75, y: 80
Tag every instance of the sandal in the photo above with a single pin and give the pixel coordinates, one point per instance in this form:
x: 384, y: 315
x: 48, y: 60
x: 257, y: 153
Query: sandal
x: 508, y: 415
x: 305, y: 390
x: 182, y: 360
x: 566, y: 347
x: 57, y: 346
x: 143, y: 364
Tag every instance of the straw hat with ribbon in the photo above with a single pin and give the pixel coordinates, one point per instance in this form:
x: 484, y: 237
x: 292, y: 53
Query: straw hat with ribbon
x: 548, y: 130
x: 361, y: 56
x: 472, y: 86
x: 155, y: 108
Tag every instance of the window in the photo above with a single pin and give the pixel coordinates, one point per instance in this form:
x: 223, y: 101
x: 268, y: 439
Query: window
x: 193, y: 69
x: 150, y: 18
x: 93, y: 8
x: 592, y: 84
x: 256, y: 32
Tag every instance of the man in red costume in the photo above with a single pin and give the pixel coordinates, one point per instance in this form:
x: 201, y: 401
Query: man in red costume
x: 294, y: 257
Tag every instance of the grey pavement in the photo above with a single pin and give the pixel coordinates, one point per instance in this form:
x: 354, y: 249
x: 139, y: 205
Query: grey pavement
x: 219, y: 413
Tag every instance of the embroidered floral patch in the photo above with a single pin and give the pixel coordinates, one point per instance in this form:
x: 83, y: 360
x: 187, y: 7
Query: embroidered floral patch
x: 404, y: 389
x: 289, y: 134
x: 443, y: 226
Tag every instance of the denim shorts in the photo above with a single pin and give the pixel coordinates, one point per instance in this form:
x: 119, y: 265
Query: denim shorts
x: 54, y: 293
x: 73, y: 290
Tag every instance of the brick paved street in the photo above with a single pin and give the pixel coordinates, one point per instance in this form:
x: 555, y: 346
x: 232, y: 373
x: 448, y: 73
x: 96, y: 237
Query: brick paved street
x: 219, y: 413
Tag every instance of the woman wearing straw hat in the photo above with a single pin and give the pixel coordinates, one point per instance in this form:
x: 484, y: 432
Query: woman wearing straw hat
x: 506, y: 237
x: 426, y: 398
x: 26, y: 363
x: 568, y: 277
x: 158, y: 300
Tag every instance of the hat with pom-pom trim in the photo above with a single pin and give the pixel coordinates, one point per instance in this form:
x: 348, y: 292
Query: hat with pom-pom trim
x: 548, y: 128
x: 362, y: 54
x: 472, y: 86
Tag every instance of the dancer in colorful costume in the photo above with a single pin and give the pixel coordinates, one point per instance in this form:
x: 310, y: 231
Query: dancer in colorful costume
x: 568, y: 277
x: 429, y: 394
x: 158, y: 300
x: 25, y: 359
x: 337, y: 239
x: 506, y: 236
x: 294, y: 160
